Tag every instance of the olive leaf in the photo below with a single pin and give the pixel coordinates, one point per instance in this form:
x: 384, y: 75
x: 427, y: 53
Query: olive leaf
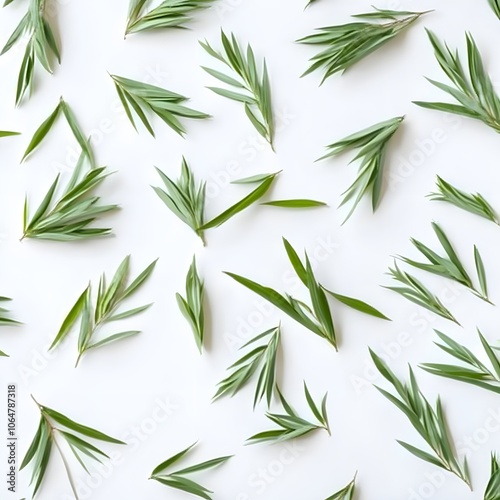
x: 317, y: 318
x: 192, y: 305
x: 6, y: 320
x: 416, y: 292
x: 168, y: 14
x: 297, y: 203
x: 372, y: 143
x: 476, y: 372
x: 291, y: 424
x: 142, y: 98
x: 42, y: 131
x: 450, y: 266
x: 263, y: 357
x: 68, y: 217
x: 493, y: 489
x: 178, y: 479
x: 346, y: 493
x: 53, y: 428
x: 41, y: 46
x: 346, y: 44
x: 186, y: 199
x: 474, y: 92
x: 109, y: 299
x: 5, y: 133
x: 474, y: 203
x: 495, y: 5
x: 253, y: 89
x: 428, y: 421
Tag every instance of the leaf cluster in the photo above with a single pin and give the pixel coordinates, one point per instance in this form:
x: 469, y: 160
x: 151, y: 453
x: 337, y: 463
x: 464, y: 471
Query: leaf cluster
x: 429, y: 422
x: 68, y: 216
x: 54, y: 425
x: 179, y: 479
x: 318, y: 317
x: 168, y: 14
x: 192, y: 306
x: 372, y: 144
x: 142, y: 98
x: 253, y: 89
x: 493, y: 489
x: 495, y: 5
x: 450, y: 266
x: 291, y: 425
x: 346, y: 493
x: 109, y: 298
x: 186, y: 199
x: 474, y: 203
x: 42, y: 45
x: 473, y: 90
x: 476, y: 372
x: 263, y: 357
x: 346, y: 44
x: 416, y: 292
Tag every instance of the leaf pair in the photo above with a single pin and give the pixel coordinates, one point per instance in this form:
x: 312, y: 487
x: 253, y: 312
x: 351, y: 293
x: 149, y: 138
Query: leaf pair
x: 178, y: 479
x: 450, y: 266
x: 168, y: 14
x: 372, y: 144
x: 192, y: 305
x: 54, y: 425
x: 109, y: 299
x: 68, y: 217
x: 416, y: 292
x: 346, y: 44
x: 493, y: 489
x: 474, y: 203
x: 186, y: 199
x: 430, y: 423
x: 474, y: 92
x: 317, y: 318
x: 253, y: 90
x: 41, y: 46
x: 476, y: 372
x: 142, y: 98
x: 346, y: 493
x: 65, y: 110
x: 263, y: 357
x: 291, y: 424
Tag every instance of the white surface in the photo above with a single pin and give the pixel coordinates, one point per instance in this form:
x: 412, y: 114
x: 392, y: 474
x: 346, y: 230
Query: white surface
x: 116, y: 389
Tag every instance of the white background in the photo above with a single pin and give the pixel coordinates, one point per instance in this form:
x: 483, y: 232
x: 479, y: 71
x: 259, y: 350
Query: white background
x: 117, y: 389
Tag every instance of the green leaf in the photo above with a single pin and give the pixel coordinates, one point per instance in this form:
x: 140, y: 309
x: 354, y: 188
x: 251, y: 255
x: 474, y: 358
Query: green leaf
x: 358, y: 305
x: 346, y: 493
x: 295, y: 203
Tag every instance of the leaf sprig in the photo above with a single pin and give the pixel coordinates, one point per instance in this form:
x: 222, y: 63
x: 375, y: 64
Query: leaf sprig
x: 430, y: 423
x: 178, y: 479
x: 372, y: 143
x: 493, y: 489
x: 52, y: 427
x: 474, y: 203
x: 416, y: 292
x: 109, y: 299
x: 169, y: 14
x: 264, y: 356
x: 450, y: 266
x: 291, y: 424
x: 192, y: 307
x: 42, y: 45
x: 346, y: 44
x: 476, y: 372
x: 64, y: 109
x: 143, y: 98
x: 346, y: 493
x: 474, y: 91
x: 186, y: 199
x: 318, y: 318
x: 252, y: 89
x: 69, y: 217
